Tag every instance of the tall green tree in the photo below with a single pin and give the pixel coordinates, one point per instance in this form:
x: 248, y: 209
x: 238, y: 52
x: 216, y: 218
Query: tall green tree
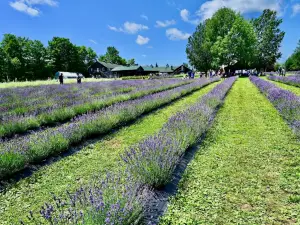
x: 198, y: 50
x: 112, y: 55
x: 237, y: 49
x: 269, y: 38
x: 63, y: 54
x: 131, y: 62
x: 293, y: 62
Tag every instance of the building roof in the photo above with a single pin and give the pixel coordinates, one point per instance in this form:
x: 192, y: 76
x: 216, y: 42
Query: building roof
x: 150, y: 69
x: 109, y: 65
x: 126, y: 68
x: 165, y: 69
x: 158, y: 69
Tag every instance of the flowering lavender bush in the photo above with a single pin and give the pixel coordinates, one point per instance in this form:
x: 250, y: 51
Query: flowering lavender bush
x: 287, y: 103
x: 45, y: 108
x: 153, y: 160
x: 290, y: 80
x: 15, y: 154
x: 113, y: 200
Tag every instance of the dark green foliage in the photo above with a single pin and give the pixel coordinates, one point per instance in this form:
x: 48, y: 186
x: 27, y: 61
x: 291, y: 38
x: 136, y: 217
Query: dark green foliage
x: 112, y: 55
x: 229, y: 39
x: 25, y: 59
x: 269, y: 38
x: 293, y: 62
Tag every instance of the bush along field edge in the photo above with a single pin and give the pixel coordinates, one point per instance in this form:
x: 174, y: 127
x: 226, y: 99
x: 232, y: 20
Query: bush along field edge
x: 17, y: 153
x: 120, y: 198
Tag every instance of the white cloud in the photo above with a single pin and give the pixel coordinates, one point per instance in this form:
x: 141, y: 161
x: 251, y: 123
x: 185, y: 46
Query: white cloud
x: 144, y: 17
x: 41, y: 2
x: 144, y: 56
x: 165, y: 23
x: 149, y: 47
x: 174, y: 34
x: 296, y: 9
x: 185, y: 16
x: 142, y: 40
x: 133, y: 28
x: 113, y: 28
x: 22, y: 7
x: 27, y: 6
x: 93, y: 41
x: 129, y: 27
x: 208, y: 8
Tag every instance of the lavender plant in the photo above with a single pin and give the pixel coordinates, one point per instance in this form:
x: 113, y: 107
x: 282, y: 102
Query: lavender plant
x: 16, y: 153
x: 69, y: 101
x: 287, y: 103
x: 153, y: 160
x: 290, y: 80
x: 116, y: 199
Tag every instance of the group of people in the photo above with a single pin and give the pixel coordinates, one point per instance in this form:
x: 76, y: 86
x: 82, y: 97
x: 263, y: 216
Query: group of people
x: 61, y: 78
x: 190, y: 75
x: 281, y: 71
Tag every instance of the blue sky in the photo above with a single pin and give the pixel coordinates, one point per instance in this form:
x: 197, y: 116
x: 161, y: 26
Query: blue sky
x: 148, y: 30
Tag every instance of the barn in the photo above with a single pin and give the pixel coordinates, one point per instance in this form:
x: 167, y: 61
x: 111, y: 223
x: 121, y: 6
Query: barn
x: 102, y: 69
x: 122, y: 71
x: 181, y: 69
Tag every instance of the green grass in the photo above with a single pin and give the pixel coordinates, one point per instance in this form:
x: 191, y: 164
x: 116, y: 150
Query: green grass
x: 247, y: 171
x: 295, y: 90
x: 79, y: 168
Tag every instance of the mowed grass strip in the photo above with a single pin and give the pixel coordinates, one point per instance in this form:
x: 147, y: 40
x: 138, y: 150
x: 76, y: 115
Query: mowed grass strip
x: 241, y: 169
x: 71, y: 172
x: 294, y: 89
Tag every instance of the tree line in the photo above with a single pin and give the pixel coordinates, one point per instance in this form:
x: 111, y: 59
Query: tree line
x: 229, y: 39
x: 25, y: 59
x: 293, y: 62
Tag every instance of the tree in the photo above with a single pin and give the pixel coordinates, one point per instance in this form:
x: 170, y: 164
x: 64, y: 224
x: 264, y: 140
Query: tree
x: 156, y: 65
x: 63, y: 54
x: 198, y: 50
x: 237, y: 48
x: 131, y: 62
x: 293, y: 62
x: 112, y: 56
x: 3, y: 65
x: 167, y: 66
x: 269, y: 38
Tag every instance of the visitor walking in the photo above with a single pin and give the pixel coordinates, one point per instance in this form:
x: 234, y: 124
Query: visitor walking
x: 61, y: 78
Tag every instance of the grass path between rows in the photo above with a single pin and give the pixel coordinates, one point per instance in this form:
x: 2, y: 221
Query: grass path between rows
x: 294, y: 89
x: 247, y: 171
x: 78, y: 169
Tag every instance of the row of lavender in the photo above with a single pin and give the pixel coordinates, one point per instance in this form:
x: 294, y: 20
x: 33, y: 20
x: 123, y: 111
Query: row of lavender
x: 290, y: 80
x: 18, y: 152
x: 61, y: 112
x: 287, y: 103
x: 150, y: 164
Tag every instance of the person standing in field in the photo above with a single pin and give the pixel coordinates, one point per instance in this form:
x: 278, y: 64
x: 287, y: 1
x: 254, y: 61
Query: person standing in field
x: 61, y: 78
x: 78, y: 79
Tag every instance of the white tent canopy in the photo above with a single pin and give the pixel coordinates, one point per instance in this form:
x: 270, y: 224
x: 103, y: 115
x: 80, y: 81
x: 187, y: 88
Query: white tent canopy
x: 68, y: 75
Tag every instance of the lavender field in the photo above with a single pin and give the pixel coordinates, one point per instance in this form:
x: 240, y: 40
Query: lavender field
x: 148, y: 152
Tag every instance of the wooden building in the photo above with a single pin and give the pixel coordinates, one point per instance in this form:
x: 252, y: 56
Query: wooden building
x: 123, y: 71
x: 181, y: 69
x: 109, y: 70
x: 102, y: 69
